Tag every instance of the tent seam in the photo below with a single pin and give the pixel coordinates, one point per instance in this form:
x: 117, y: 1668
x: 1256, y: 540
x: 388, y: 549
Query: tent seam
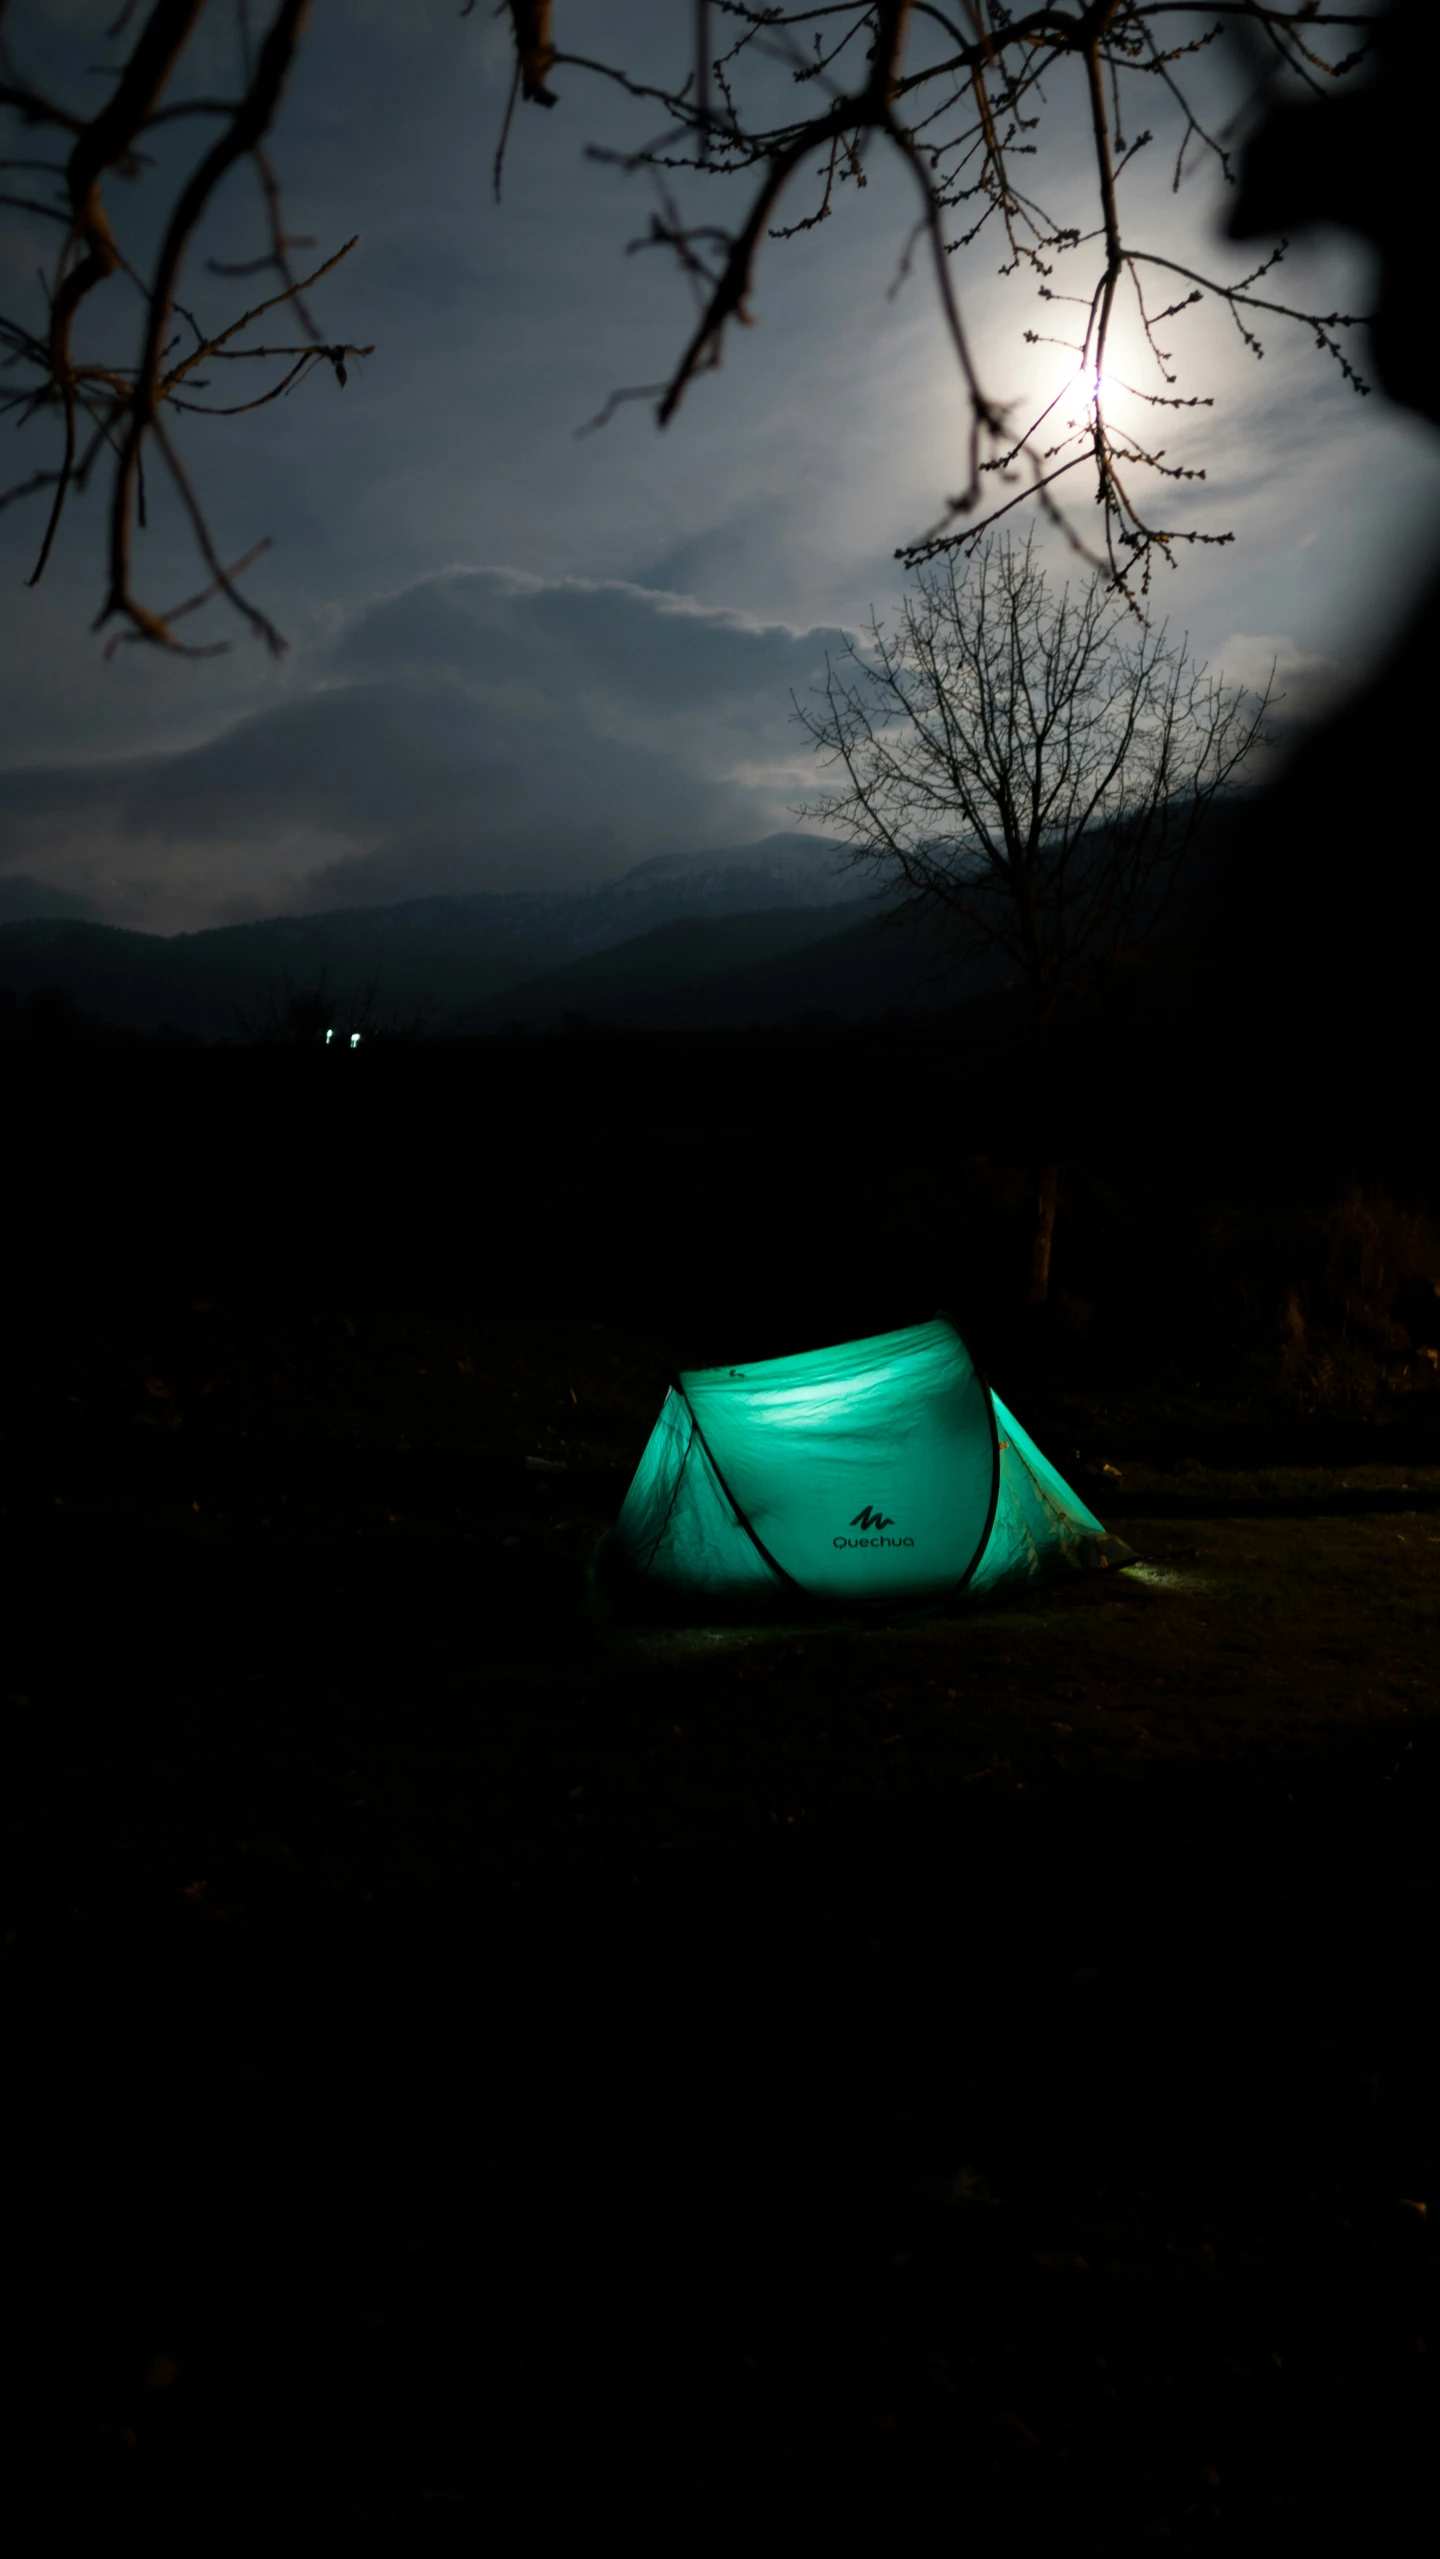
x: 674, y: 1491
x: 761, y: 1549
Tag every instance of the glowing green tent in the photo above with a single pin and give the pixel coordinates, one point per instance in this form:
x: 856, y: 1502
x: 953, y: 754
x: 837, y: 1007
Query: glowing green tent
x: 882, y: 1470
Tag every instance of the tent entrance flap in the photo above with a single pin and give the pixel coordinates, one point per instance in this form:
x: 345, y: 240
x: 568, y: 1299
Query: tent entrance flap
x: 1039, y: 1522
x: 678, y: 1529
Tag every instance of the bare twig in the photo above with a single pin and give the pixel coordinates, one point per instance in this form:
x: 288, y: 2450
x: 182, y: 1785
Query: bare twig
x: 781, y: 105
x: 123, y: 404
x: 960, y: 111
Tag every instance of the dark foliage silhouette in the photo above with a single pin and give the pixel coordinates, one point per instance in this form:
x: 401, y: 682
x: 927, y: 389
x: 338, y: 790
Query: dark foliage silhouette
x: 1332, y: 910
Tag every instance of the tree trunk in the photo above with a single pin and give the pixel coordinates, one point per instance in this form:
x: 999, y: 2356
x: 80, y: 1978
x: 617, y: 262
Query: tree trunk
x: 1047, y: 1194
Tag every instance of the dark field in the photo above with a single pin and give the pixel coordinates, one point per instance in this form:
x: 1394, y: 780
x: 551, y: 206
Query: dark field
x: 478, y: 2070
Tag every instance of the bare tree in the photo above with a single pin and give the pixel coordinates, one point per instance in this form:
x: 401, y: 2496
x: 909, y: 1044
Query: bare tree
x: 1031, y: 768
x: 981, y: 103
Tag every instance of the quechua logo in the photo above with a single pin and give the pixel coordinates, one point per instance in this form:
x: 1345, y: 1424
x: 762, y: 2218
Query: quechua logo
x: 872, y: 1524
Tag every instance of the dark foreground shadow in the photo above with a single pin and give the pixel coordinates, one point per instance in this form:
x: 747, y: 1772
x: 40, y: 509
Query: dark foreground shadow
x: 1334, y: 902
x: 1065, y: 2160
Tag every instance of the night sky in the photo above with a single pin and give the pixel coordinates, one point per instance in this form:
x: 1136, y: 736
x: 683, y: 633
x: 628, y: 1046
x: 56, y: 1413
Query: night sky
x: 525, y: 657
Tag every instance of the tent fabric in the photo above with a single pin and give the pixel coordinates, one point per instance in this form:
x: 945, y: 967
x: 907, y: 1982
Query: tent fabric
x: 677, y: 1529
x: 880, y: 1470
x: 1038, y: 1520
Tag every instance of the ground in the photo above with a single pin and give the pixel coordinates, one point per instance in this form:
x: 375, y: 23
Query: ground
x: 469, y: 2056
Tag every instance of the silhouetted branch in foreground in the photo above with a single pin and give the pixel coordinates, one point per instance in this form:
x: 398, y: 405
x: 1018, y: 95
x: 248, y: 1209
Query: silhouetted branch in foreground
x: 983, y: 106
x: 118, y: 412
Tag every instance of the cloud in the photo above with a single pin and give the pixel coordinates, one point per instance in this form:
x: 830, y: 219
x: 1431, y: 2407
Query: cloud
x: 701, y: 688
x: 1307, y: 685
x: 478, y: 729
x: 1307, y: 679
x: 23, y: 897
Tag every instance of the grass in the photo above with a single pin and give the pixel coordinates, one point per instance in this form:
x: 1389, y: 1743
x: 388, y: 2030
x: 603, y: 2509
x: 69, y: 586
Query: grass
x: 479, y: 2058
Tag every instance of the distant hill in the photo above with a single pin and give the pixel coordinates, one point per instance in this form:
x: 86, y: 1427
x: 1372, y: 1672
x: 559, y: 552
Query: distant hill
x: 725, y: 973
x: 655, y: 977
x: 454, y: 956
x: 763, y: 933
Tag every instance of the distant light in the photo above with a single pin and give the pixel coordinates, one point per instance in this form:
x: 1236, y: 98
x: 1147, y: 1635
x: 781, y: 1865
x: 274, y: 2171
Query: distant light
x: 328, y: 1038
x: 354, y: 1039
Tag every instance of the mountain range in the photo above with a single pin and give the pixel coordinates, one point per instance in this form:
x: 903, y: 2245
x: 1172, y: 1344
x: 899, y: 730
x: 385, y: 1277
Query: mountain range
x: 756, y: 932
x: 769, y: 933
